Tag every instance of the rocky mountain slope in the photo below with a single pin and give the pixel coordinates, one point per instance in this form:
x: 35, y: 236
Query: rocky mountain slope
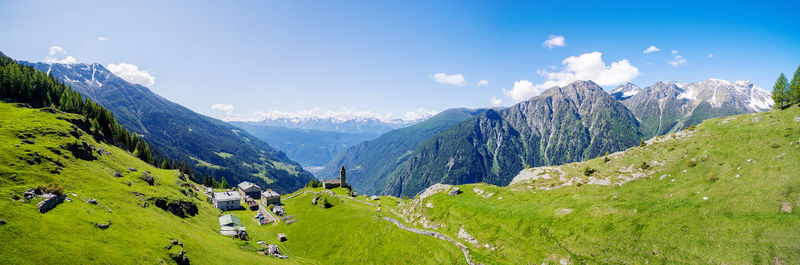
x: 212, y: 146
x: 370, y: 163
x: 563, y: 124
x: 670, y: 106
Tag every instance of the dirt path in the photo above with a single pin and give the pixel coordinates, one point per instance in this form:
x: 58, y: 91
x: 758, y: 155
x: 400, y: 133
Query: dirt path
x: 438, y: 235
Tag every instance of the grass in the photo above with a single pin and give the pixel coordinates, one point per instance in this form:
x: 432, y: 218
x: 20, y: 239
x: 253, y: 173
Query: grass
x: 347, y: 233
x: 721, y: 208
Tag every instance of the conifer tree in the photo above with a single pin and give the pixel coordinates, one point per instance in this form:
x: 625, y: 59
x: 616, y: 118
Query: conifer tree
x: 779, y: 92
x: 794, y: 88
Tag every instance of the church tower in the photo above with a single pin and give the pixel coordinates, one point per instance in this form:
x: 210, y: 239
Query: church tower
x: 342, y: 177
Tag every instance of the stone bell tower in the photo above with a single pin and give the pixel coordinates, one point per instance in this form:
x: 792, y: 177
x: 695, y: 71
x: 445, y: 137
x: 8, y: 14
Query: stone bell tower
x: 342, y: 177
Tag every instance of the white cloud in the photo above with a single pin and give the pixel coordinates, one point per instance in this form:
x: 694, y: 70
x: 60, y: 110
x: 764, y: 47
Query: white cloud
x: 675, y: 51
x: 678, y: 60
x: 483, y: 83
x: 495, y: 102
x: 454, y: 79
x: 55, y: 50
x: 650, y: 49
x: 131, y: 73
x: 710, y: 55
x: 227, y: 108
x: 523, y: 89
x: 587, y: 66
x: 554, y: 41
x: 101, y: 38
x: 65, y: 60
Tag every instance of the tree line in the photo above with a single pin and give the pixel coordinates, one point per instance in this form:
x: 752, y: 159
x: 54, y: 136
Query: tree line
x: 25, y: 84
x: 786, y: 93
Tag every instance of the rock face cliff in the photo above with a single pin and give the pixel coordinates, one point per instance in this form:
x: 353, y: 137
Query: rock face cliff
x: 563, y: 124
x: 667, y: 107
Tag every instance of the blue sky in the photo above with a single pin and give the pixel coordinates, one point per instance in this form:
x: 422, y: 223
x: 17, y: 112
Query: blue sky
x: 252, y: 59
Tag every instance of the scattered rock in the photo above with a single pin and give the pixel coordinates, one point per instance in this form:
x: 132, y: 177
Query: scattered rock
x: 786, y: 207
x: 50, y: 202
x: 281, y: 237
x: 178, y: 207
x: 92, y: 201
x: 454, y: 191
x: 273, y: 250
x: 116, y: 174
x: 314, y: 201
x: 81, y: 151
x: 374, y: 198
x: 29, y: 141
x: 379, y: 209
x: 146, y: 177
x: 103, y: 226
x: 2, y: 222
x: 174, y: 242
x: 30, y: 193
x: 756, y: 119
x: 68, y: 199
x: 796, y: 119
x: 132, y: 169
x: 777, y: 260
x: 180, y: 258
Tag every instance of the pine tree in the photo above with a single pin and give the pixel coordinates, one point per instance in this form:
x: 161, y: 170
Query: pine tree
x: 779, y: 92
x: 794, y: 88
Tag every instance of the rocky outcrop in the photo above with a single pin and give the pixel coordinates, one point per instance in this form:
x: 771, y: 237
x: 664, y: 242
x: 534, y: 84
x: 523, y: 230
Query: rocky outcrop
x: 50, y: 202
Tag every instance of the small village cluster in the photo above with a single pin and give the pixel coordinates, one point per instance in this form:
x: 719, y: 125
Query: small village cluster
x: 250, y: 194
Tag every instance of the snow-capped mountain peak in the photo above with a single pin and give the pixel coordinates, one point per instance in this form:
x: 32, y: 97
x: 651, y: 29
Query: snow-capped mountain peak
x: 625, y: 91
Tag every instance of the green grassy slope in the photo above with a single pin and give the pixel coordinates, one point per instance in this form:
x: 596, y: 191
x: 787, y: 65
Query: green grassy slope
x: 711, y: 195
x: 348, y: 233
x: 67, y: 234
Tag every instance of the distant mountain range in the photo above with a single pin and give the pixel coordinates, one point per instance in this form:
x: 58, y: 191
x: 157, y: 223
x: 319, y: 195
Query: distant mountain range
x: 370, y: 164
x: 210, y: 145
x: 354, y: 125
x: 666, y: 107
x: 562, y: 125
x: 311, y: 148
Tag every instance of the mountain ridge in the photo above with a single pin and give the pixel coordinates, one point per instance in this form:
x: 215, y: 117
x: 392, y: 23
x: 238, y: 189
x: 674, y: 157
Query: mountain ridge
x: 182, y: 133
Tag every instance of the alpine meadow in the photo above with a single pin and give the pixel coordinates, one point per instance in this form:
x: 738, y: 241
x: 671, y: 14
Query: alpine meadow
x: 399, y: 132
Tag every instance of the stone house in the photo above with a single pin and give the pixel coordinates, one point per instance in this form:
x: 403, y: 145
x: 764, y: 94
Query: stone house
x: 270, y: 197
x: 340, y: 182
x: 249, y: 189
x: 227, y: 200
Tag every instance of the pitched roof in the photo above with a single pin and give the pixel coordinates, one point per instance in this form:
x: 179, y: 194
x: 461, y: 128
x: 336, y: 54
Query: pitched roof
x: 331, y: 181
x: 247, y: 185
x: 229, y: 220
x: 226, y: 196
x: 270, y: 193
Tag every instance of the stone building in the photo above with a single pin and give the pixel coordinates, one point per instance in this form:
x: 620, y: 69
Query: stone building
x: 227, y: 200
x: 249, y: 189
x: 270, y: 197
x: 340, y: 182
